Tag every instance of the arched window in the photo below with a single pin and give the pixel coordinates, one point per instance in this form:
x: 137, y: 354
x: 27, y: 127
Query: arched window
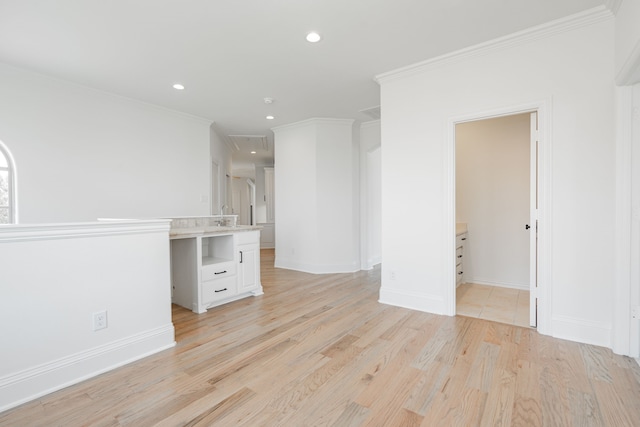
x: 7, y: 187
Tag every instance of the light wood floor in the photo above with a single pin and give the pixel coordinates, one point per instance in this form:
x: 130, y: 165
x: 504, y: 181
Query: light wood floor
x: 494, y: 303
x: 321, y: 351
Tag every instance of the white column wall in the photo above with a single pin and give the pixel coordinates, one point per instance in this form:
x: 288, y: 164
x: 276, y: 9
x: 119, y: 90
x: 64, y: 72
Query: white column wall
x: 315, y: 200
x: 569, y: 69
x: 83, y: 154
x: 296, y: 201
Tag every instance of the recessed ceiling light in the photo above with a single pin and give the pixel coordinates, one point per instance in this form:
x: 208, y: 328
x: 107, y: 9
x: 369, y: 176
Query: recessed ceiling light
x: 178, y: 86
x: 253, y: 152
x: 313, y: 37
x: 270, y: 117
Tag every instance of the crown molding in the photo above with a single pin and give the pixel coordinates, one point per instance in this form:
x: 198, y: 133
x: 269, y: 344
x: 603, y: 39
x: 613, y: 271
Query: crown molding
x: 551, y: 28
x: 315, y: 121
x: 613, y: 5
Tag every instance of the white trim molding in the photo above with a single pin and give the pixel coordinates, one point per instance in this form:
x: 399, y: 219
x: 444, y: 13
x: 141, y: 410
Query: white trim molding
x: 412, y: 300
x: 317, y: 268
x: 106, y: 227
x: 543, y: 108
x: 581, y: 330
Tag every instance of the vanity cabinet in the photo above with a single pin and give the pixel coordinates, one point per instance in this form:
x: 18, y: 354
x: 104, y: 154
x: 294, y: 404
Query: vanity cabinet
x: 212, y: 269
x: 460, y: 242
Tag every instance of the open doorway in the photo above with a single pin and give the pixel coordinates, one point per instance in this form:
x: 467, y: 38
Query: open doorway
x: 496, y: 193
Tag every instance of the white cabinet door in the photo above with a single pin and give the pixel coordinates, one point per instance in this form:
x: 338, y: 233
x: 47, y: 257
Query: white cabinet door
x: 249, y: 267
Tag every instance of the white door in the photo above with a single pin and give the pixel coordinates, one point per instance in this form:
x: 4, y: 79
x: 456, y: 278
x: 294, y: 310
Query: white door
x: 248, y: 267
x: 533, y: 224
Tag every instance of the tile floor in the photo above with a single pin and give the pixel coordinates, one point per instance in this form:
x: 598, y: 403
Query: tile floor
x: 502, y: 305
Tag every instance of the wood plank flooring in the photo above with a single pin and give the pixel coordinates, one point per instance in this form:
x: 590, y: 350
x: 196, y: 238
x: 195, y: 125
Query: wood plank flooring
x: 319, y: 350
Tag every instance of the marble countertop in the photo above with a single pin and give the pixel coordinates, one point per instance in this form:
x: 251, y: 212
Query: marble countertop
x: 181, y: 233
x: 461, y: 227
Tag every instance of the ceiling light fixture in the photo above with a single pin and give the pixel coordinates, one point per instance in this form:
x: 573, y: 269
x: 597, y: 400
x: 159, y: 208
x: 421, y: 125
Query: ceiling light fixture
x: 313, y: 37
x: 270, y: 117
x: 253, y: 152
x: 178, y: 86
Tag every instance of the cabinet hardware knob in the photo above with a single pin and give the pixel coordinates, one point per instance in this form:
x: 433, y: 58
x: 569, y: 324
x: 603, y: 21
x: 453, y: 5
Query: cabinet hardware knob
x: 459, y: 256
x: 220, y: 272
x: 220, y: 290
x: 464, y: 238
x: 459, y: 274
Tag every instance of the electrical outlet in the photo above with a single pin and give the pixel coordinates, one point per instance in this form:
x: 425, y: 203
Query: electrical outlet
x: 635, y: 312
x: 393, y: 275
x: 99, y: 320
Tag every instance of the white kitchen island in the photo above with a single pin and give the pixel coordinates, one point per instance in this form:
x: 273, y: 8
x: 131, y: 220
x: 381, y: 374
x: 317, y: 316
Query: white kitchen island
x: 213, y: 265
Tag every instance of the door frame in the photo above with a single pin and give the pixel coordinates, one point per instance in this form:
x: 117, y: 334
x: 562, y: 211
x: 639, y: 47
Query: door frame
x: 544, y: 257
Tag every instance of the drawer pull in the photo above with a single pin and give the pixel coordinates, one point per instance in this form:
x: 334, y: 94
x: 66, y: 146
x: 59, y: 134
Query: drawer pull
x: 464, y: 238
x: 459, y: 274
x: 459, y: 256
x: 220, y: 272
x: 220, y: 290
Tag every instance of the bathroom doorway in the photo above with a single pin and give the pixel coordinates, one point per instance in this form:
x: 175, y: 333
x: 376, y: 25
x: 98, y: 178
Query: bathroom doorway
x: 495, y: 196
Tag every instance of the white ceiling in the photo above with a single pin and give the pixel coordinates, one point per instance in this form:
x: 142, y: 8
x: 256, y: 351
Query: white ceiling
x: 231, y: 54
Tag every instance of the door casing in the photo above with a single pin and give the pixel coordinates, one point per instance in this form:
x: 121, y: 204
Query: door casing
x: 543, y: 252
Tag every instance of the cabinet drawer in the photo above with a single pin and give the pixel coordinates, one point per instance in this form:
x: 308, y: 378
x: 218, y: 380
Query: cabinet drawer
x: 461, y: 240
x: 215, y: 290
x: 459, y: 273
x: 458, y: 255
x: 218, y: 271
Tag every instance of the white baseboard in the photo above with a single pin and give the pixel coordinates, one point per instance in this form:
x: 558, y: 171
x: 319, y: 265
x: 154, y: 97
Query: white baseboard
x: 372, y: 262
x: 519, y: 286
x: 316, y: 268
x: 412, y: 300
x: 32, y: 383
x: 581, y: 330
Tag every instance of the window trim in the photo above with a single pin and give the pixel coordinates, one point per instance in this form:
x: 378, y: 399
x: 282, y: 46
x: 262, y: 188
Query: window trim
x: 13, y: 183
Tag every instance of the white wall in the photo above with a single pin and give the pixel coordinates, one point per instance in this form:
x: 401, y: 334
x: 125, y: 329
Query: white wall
x: 53, y: 278
x: 627, y: 41
x: 492, y: 197
x: 315, y: 202
x: 370, y: 194
x: 83, y: 154
x: 568, y: 68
